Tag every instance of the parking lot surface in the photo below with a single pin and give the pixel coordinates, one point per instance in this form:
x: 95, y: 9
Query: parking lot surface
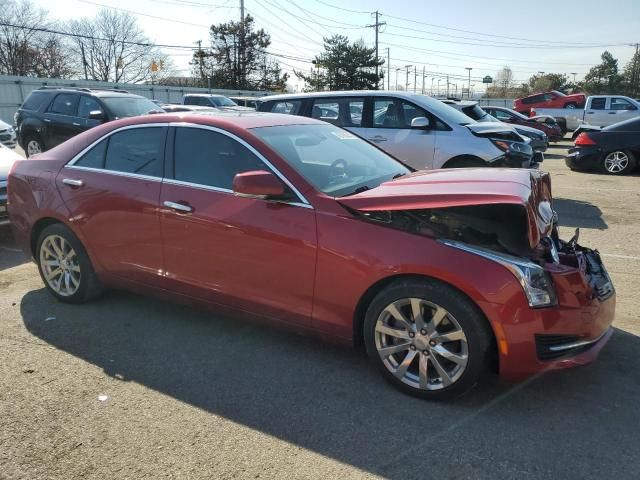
x: 133, y: 387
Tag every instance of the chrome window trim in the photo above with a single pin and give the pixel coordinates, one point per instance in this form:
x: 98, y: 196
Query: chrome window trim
x: 112, y: 132
x: 115, y: 172
x: 303, y: 200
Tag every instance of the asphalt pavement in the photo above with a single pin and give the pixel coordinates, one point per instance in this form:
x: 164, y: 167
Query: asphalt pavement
x: 130, y: 387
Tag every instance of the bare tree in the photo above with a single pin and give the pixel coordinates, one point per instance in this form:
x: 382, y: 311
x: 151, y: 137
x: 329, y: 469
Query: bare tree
x: 504, y: 81
x: 24, y: 48
x: 112, y: 47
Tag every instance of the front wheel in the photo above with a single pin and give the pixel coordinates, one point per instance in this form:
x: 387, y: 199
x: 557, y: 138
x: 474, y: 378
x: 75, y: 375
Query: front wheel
x: 427, y: 338
x: 65, y: 266
x: 619, y: 162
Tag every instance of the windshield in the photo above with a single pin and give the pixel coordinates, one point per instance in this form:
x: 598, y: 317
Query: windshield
x: 223, y: 102
x: 333, y: 160
x: 122, y: 107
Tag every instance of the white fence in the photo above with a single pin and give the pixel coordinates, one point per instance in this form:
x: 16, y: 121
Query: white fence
x: 13, y: 91
x: 496, y: 102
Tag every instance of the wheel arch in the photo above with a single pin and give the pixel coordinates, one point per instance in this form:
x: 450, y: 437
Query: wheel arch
x: 461, y: 158
x: 368, y: 296
x: 37, y: 229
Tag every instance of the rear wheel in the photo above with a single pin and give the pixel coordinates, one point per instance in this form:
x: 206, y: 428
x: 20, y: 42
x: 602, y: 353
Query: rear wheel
x: 571, y: 105
x: 33, y: 146
x: 619, y: 162
x: 427, y: 338
x: 65, y: 266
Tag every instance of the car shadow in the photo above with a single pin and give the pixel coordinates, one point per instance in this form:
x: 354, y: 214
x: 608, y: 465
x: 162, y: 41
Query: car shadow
x: 10, y: 255
x: 578, y: 214
x: 328, y: 399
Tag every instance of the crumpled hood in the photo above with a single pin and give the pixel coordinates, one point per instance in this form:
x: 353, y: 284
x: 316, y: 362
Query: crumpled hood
x: 445, y: 188
x: 489, y: 127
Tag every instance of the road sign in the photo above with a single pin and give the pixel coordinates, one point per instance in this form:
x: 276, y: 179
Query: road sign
x: 487, y: 79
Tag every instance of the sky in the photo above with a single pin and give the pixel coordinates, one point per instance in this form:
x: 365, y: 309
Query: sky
x: 437, y: 37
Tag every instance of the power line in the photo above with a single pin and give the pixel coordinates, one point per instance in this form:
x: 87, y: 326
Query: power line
x: 144, y: 14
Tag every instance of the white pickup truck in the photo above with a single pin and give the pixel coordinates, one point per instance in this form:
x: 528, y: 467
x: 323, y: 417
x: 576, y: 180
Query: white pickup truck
x: 599, y: 111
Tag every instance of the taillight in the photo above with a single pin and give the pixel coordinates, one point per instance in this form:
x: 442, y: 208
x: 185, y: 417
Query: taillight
x: 583, y: 139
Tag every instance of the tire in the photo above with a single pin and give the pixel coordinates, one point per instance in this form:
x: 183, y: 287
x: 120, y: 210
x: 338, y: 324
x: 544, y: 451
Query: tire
x: 59, y: 250
x: 459, y: 318
x: 571, y: 105
x: 33, y: 145
x: 465, y: 162
x: 618, y: 162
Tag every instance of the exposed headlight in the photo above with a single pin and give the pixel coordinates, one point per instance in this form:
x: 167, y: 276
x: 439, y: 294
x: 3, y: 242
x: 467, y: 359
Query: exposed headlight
x: 535, y: 282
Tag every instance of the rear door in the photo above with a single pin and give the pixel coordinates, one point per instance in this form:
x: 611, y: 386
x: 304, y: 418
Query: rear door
x: 245, y: 253
x: 390, y: 129
x: 597, y: 113
x: 112, y: 191
x: 62, y: 119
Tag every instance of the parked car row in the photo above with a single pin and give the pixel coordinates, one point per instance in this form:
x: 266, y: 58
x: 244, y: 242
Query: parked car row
x: 297, y: 219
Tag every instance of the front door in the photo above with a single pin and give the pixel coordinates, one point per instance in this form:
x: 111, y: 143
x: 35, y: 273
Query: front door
x: 112, y: 194
x: 249, y: 254
x: 391, y: 130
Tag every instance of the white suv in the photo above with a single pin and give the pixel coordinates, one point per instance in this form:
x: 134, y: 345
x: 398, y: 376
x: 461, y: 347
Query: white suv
x: 417, y: 129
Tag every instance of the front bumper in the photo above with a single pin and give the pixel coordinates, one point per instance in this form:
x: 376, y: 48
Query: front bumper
x: 8, y: 138
x: 569, y: 334
x: 584, y: 158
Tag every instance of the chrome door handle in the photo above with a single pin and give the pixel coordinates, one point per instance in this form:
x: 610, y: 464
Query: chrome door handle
x: 76, y: 124
x: 377, y: 139
x: 47, y: 120
x: 72, y: 182
x: 178, y: 206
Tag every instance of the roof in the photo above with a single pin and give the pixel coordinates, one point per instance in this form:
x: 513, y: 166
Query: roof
x: 343, y: 93
x: 207, y: 95
x: 223, y: 119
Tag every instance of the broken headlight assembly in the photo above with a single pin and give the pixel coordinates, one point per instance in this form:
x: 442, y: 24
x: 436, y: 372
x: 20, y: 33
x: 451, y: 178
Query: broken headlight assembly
x: 535, y: 282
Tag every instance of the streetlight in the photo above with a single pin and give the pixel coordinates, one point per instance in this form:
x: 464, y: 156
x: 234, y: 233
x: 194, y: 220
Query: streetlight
x: 469, y: 84
x: 432, y: 79
x: 407, y: 67
x: 574, y: 77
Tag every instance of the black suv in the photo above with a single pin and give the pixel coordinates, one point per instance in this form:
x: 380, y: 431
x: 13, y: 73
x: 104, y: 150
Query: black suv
x: 51, y: 115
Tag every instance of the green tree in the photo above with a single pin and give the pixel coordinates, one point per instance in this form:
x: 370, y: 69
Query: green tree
x: 343, y: 66
x: 603, y: 78
x: 543, y: 82
x: 237, y: 59
x: 631, y: 76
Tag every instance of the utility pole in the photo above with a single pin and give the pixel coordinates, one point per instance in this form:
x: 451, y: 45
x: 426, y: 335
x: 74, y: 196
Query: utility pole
x: 635, y: 74
x: 431, y: 92
x: 396, y: 85
x: 407, y: 82
x: 447, y: 86
x: 469, y: 84
x: 377, y: 26
x: 415, y: 79
x: 201, y: 55
x: 388, y: 69
x: 423, y: 79
x: 242, y: 55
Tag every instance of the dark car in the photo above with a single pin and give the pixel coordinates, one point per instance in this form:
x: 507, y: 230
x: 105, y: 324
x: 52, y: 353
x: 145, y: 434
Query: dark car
x: 213, y: 100
x: 614, y: 149
x: 7, y: 159
x: 546, y: 124
x: 440, y: 274
x: 178, y: 107
x: 51, y: 115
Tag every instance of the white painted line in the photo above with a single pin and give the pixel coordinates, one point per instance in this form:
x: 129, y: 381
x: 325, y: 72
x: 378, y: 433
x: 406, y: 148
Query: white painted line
x: 628, y: 257
x: 593, y: 189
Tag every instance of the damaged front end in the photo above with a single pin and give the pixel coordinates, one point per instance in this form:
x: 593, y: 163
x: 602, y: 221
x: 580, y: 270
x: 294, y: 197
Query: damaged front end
x: 512, y: 223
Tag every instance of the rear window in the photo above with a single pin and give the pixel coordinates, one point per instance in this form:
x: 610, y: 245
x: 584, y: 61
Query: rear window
x: 35, y: 101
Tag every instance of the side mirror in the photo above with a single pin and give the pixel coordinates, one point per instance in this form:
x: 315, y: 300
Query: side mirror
x: 96, y: 115
x: 420, y: 122
x: 258, y: 184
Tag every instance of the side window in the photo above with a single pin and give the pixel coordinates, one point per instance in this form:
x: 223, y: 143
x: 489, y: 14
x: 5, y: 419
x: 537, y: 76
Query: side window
x: 598, y: 103
x: 35, y: 100
x: 326, y: 110
x: 500, y: 115
x: 64, y: 104
x: 621, y: 104
x: 87, y: 105
x: 190, y: 100
x: 137, y: 150
x: 291, y: 107
x: 343, y: 112
x: 94, y: 158
x: 389, y: 113
x: 410, y: 112
x: 210, y: 158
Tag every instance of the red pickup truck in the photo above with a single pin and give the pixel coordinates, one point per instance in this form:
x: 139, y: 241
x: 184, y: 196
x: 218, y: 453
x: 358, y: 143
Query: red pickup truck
x: 552, y: 99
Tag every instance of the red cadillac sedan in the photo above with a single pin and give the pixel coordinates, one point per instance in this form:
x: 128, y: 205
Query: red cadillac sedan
x: 440, y: 274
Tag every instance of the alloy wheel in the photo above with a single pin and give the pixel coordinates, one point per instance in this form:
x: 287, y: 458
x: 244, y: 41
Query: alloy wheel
x: 616, y: 162
x: 60, y: 267
x: 421, y: 344
x: 33, y: 147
